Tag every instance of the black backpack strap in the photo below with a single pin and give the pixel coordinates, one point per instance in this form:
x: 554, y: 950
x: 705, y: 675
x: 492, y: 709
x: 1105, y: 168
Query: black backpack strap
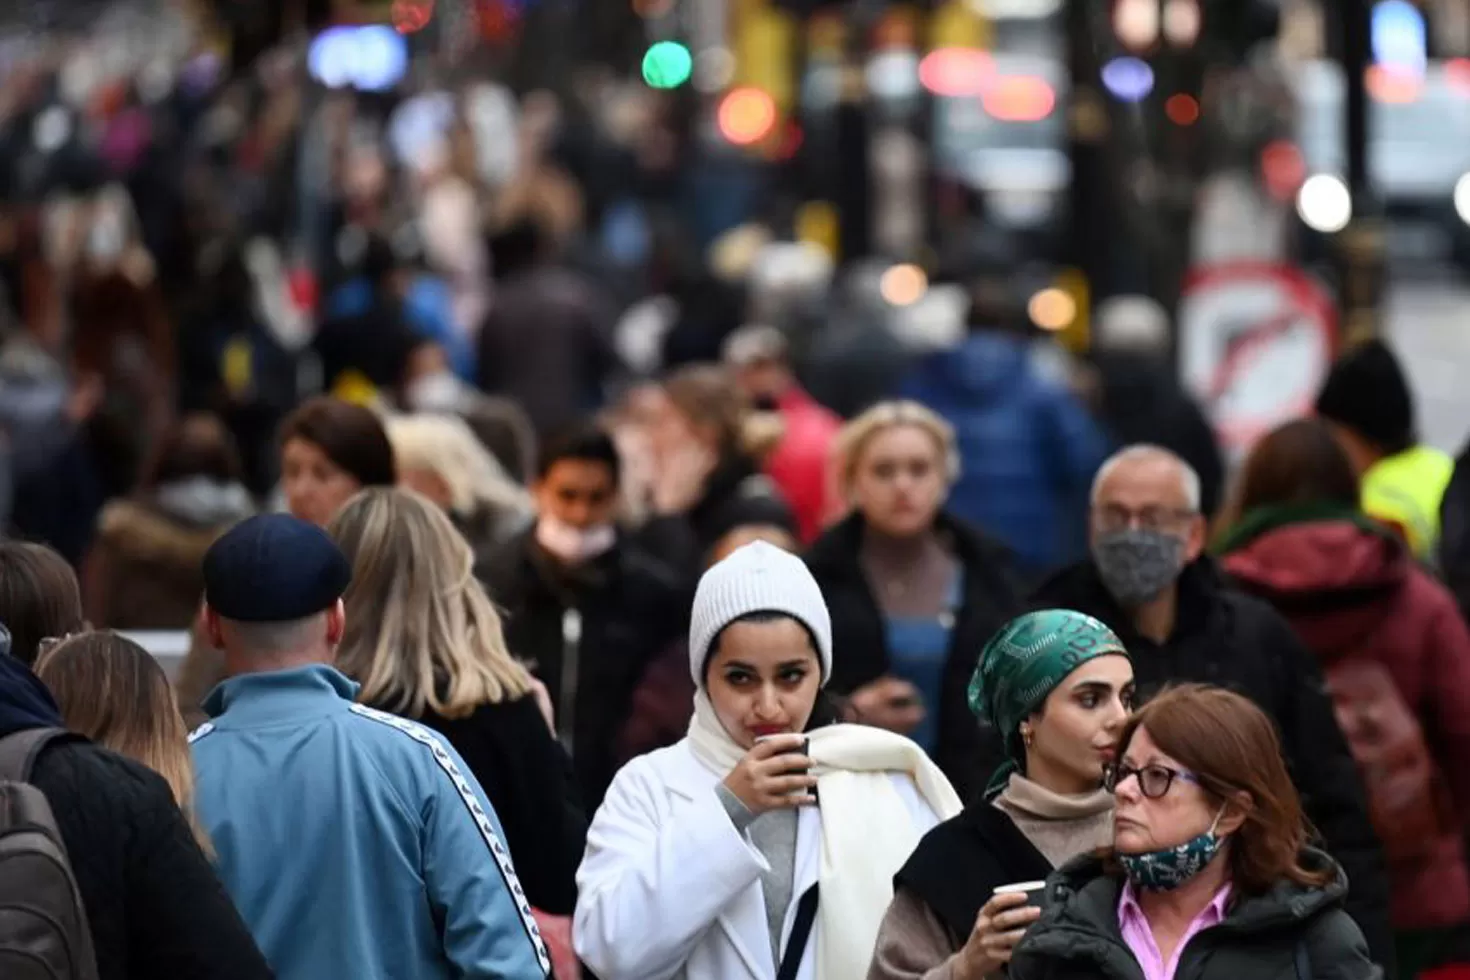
x: 801, y: 930
x: 18, y: 751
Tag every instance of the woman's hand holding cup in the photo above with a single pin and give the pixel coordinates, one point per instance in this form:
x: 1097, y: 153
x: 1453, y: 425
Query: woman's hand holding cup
x: 998, y: 928
x: 775, y: 773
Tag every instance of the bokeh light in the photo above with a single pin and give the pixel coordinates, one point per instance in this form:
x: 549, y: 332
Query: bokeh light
x: 667, y: 64
x: 1129, y: 79
x: 1282, y: 169
x: 903, y: 284
x: 957, y: 72
x: 746, y: 116
x: 412, y: 16
x: 1182, y: 109
x: 1020, y: 98
x: 1052, y: 309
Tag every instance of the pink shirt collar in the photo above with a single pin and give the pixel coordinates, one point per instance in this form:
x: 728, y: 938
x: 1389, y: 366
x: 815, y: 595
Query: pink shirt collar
x: 1140, y: 937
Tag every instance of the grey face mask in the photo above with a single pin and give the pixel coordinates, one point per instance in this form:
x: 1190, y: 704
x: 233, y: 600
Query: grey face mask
x: 1136, y: 565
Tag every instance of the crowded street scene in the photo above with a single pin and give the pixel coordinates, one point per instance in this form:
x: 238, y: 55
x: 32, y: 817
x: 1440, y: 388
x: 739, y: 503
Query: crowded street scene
x: 735, y: 489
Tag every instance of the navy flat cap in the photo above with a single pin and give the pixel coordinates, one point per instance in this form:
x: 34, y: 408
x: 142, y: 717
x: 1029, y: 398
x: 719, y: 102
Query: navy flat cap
x: 274, y: 568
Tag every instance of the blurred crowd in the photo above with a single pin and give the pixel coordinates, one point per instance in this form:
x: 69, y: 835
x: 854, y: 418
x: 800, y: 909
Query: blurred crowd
x: 579, y: 549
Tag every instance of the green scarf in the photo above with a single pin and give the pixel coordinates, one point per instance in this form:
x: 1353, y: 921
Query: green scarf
x: 1263, y: 520
x: 1022, y: 664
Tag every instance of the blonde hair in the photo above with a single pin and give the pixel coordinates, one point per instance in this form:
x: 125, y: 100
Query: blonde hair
x: 706, y: 394
x: 855, y: 436
x: 112, y: 691
x: 446, y: 445
x: 421, y: 632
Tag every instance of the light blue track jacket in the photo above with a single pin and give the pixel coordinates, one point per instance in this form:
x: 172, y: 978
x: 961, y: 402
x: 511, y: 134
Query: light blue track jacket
x: 356, y: 844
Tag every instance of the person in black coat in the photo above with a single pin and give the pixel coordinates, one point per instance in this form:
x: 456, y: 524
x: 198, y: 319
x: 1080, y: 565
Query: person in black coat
x: 425, y: 642
x: 1148, y: 581
x: 914, y: 592
x: 586, y: 610
x: 153, y: 903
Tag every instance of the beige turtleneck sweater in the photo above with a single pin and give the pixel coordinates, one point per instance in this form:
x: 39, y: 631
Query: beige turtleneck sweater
x: 914, y: 945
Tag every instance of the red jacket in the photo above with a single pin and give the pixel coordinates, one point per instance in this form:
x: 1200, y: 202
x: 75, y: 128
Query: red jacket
x: 1352, y: 592
x: 800, y: 465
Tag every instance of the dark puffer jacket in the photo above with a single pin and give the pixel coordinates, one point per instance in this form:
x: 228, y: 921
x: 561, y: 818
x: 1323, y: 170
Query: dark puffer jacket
x: 1293, y: 932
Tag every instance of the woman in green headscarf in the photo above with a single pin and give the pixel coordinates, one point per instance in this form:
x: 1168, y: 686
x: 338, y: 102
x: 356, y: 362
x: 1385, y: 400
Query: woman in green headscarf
x: 1057, y: 686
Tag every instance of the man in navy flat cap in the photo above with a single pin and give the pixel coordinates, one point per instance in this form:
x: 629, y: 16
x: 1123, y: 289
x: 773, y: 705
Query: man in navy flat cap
x: 354, y: 843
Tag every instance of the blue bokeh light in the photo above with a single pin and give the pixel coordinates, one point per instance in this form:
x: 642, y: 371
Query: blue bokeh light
x: 1128, y: 79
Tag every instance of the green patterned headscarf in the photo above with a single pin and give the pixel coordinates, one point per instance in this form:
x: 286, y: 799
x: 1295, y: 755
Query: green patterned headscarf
x: 1023, y: 663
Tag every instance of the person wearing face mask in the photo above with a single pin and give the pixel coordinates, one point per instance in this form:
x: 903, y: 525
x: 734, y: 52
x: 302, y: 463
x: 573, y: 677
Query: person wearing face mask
x: 1211, y: 876
x: 1149, y: 580
x: 763, y: 845
x: 586, y: 609
x: 1059, y: 684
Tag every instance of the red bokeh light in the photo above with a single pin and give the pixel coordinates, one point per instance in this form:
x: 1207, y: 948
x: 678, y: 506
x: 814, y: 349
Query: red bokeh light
x: 411, y: 16
x: 747, y: 115
x: 1282, y: 169
x: 1182, y: 109
x: 957, y: 72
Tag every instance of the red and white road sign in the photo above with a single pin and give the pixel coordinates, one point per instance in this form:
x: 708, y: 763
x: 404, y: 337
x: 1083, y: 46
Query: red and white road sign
x: 1256, y: 340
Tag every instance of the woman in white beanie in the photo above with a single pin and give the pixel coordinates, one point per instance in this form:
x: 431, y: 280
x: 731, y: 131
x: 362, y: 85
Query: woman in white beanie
x: 754, y: 848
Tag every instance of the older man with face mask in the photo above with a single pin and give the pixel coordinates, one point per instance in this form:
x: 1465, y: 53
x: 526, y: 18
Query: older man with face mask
x: 1149, y: 580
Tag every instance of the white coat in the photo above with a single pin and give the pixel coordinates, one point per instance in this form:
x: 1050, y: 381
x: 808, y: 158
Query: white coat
x: 669, y: 889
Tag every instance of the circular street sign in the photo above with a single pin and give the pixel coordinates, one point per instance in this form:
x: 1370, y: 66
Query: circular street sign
x: 1256, y: 341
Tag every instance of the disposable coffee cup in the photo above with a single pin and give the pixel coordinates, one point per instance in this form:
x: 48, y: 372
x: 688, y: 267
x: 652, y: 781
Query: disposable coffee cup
x: 805, y: 749
x: 1035, y: 892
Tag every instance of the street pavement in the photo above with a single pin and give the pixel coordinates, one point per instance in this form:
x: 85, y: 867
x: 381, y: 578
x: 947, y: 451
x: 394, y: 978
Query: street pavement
x: 1428, y: 321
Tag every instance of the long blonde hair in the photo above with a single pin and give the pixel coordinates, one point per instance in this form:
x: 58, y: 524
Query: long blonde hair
x: 446, y: 445
x: 421, y: 632
x: 112, y: 690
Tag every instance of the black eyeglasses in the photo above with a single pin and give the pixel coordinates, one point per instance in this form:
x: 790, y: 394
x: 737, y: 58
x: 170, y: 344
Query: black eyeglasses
x: 1153, y: 781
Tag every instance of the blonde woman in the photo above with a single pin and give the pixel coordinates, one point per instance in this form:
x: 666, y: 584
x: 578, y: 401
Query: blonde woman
x: 440, y: 457
x: 112, y: 690
x: 425, y: 642
x: 914, y: 591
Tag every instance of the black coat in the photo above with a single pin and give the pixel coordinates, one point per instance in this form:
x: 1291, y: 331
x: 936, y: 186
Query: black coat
x: 959, y: 864
x: 1292, y: 932
x: 1227, y: 638
x: 967, y: 754
x: 527, y: 776
x: 154, y: 904
x: 632, y: 609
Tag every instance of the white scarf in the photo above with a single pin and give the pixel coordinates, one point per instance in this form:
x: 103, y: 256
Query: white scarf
x: 867, y: 830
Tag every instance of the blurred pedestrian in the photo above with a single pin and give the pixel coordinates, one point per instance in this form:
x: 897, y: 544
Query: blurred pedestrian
x: 112, y: 691
x: 425, y: 642
x: 1028, y: 447
x: 330, y: 449
x: 40, y: 599
x: 153, y: 904
x: 915, y: 591
x: 800, y: 463
x: 1059, y: 686
x: 709, y: 446
x: 1211, y: 873
x: 386, y: 832
x: 710, y: 858
x: 1150, y: 582
x: 439, y: 456
x: 584, y: 606
x: 143, y: 571
x: 1367, y: 401
x: 1396, y: 655
x: 1139, y: 397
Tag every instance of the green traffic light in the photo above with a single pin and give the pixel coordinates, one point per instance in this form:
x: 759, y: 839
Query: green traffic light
x: 667, y: 64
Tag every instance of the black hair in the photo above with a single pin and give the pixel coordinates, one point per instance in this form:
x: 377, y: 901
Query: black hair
x: 824, y: 709
x: 587, y: 443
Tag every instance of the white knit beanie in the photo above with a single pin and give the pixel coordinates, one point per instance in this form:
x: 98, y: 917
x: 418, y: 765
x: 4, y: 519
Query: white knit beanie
x: 758, y: 577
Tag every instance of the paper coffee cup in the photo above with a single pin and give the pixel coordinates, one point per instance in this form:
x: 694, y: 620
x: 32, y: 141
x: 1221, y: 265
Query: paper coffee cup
x: 1035, y: 891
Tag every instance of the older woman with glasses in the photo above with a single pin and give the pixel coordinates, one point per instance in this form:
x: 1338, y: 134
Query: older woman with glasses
x: 1210, y: 876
